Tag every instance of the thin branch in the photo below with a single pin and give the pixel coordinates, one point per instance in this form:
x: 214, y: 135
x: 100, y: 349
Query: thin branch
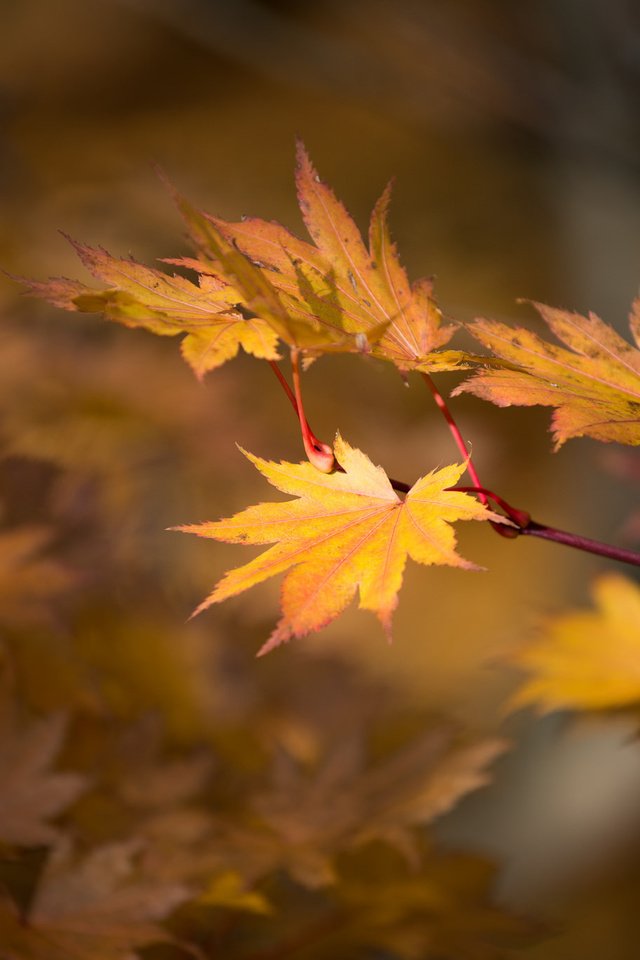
x: 534, y: 529
x: 525, y: 526
x: 285, y: 386
x: 455, y: 432
x: 318, y: 453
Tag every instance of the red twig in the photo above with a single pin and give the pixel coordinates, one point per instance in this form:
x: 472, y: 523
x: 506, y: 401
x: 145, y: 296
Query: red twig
x: 523, y: 524
x: 455, y: 432
x: 318, y: 453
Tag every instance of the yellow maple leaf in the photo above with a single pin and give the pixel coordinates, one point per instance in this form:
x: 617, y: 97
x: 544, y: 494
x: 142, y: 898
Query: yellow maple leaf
x: 594, y: 385
x: 140, y: 296
x: 347, y: 530
x: 336, y: 283
x: 587, y: 660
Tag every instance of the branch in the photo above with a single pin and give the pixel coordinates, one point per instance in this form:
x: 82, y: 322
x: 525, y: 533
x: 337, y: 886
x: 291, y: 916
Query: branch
x: 525, y: 526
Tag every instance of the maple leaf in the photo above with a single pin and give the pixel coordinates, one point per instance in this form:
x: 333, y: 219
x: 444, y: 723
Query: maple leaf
x: 32, y: 793
x: 347, y: 530
x: 28, y: 580
x: 139, y: 296
x: 335, y: 284
x: 594, y: 385
x: 348, y: 801
x: 443, y: 910
x: 94, y: 909
x: 301, y: 310
x: 587, y: 660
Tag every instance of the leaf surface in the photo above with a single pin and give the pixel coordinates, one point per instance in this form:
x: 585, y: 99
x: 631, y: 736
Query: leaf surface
x: 32, y: 792
x: 444, y: 910
x: 345, y: 531
x: 140, y: 296
x: 348, y: 801
x: 594, y: 384
x: 29, y: 580
x: 94, y: 909
x: 336, y: 282
x: 587, y: 660
x: 279, y: 278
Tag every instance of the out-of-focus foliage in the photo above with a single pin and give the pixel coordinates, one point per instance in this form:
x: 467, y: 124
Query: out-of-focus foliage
x: 158, y: 789
x: 587, y: 660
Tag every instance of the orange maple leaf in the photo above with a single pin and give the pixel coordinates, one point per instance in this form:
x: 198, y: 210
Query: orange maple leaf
x: 139, y: 296
x: 347, y: 530
x: 336, y: 283
x: 594, y: 385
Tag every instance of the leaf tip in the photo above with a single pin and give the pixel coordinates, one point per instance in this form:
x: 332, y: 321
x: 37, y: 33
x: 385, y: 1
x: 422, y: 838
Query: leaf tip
x: 281, y: 634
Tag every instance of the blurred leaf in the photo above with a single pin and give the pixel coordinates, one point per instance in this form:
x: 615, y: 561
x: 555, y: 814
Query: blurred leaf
x: 28, y: 580
x: 32, y: 793
x: 347, y: 801
x: 443, y: 910
x: 587, y: 660
x: 92, y: 909
x: 227, y: 890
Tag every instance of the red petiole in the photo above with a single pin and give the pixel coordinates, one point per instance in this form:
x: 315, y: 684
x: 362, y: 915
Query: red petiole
x: 318, y: 453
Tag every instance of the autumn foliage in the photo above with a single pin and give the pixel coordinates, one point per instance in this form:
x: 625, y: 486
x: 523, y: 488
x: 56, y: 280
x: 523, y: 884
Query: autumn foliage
x: 331, y: 824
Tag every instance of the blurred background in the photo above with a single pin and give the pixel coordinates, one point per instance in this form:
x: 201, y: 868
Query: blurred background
x: 513, y: 132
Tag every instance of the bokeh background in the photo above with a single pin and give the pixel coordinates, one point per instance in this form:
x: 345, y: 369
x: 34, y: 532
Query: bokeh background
x: 513, y: 131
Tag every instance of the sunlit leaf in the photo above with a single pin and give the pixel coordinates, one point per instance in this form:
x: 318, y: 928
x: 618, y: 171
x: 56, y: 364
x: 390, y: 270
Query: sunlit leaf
x: 139, y: 296
x: 346, y: 531
x: 594, y: 384
x: 336, y: 281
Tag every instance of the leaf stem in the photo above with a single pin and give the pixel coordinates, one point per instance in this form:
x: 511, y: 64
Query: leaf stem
x: 524, y: 524
x: 318, y: 453
x: 285, y: 386
x: 455, y: 433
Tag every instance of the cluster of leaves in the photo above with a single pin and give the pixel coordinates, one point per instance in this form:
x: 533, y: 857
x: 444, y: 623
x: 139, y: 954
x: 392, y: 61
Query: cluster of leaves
x: 156, y: 789
x: 159, y: 793
x: 259, y: 285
